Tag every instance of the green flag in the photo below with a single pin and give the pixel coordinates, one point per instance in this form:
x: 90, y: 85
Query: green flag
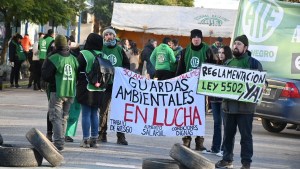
x: 273, y: 30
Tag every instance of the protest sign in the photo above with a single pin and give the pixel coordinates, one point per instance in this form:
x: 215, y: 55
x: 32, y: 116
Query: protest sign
x: 233, y: 83
x: 157, y: 108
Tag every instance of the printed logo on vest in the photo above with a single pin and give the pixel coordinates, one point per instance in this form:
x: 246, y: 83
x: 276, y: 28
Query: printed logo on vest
x: 68, y: 72
x: 112, y: 58
x: 194, y: 62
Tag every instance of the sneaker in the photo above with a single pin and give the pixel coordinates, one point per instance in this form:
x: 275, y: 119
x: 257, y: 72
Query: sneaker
x: 12, y: 85
x: 224, y: 164
x: 85, y: 143
x: 29, y: 86
x: 68, y: 139
x: 209, y: 152
x: 246, y: 166
x: 93, y: 143
x: 220, y: 154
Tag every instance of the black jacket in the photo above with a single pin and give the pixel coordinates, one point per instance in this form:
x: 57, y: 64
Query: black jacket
x: 13, y: 57
x: 49, y: 69
x: 145, y: 55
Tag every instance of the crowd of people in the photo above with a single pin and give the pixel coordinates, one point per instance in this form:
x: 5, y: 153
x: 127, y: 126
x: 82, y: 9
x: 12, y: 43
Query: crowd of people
x: 61, y: 71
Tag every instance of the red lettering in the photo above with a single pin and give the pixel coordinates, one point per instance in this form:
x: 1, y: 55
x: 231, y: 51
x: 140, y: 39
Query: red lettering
x: 127, y: 112
x: 138, y: 111
x: 155, y: 118
x: 188, y: 115
x: 196, y: 116
x: 166, y: 118
x: 176, y: 115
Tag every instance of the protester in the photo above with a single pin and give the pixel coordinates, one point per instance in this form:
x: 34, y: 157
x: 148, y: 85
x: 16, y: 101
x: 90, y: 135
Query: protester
x: 162, y: 57
x: 75, y: 107
x: 217, y: 45
x: 87, y: 94
x: 118, y: 58
x: 145, y: 57
x: 176, y: 49
x: 35, y: 66
x: 196, y: 53
x: 46, y: 45
x: 216, y: 148
x: 133, y: 55
x: 16, y: 58
x: 59, y: 70
x: 239, y: 114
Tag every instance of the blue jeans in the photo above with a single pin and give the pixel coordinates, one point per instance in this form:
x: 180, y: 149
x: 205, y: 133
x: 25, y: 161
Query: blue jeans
x: 244, y: 123
x: 89, y: 121
x: 218, y: 116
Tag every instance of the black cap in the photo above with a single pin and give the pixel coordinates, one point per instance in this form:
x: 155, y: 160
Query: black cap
x: 243, y: 39
x: 196, y: 32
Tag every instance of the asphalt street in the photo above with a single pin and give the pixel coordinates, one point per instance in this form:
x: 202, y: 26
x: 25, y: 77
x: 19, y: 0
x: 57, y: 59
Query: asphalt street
x: 23, y: 109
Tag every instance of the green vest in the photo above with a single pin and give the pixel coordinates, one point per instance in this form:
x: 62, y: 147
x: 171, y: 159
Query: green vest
x: 114, y: 55
x: 44, y: 45
x: 173, y: 66
x: 89, y: 59
x: 193, y: 59
x: 65, y: 77
x: 20, y: 52
x: 242, y: 62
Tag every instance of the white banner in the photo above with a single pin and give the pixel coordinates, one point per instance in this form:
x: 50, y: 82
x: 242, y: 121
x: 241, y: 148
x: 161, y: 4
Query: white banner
x: 157, y: 108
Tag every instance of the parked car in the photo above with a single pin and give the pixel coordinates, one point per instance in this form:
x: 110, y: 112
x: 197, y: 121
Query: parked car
x: 280, y: 104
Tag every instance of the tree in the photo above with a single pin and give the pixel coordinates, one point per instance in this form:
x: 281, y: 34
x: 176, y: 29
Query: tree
x: 36, y: 11
x: 103, y: 9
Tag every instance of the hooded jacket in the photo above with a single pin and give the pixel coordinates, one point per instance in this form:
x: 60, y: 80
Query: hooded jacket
x: 91, y: 98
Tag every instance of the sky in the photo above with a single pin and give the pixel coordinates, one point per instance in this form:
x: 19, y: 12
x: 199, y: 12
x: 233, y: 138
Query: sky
x: 220, y: 4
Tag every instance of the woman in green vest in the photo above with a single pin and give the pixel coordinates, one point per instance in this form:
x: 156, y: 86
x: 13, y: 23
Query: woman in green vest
x: 89, y: 95
x: 16, y: 58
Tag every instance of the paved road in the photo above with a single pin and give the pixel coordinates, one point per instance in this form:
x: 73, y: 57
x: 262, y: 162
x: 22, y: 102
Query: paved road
x: 22, y: 109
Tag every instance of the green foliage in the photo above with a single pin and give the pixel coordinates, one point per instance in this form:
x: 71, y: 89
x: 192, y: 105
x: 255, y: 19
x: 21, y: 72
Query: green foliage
x: 37, y: 11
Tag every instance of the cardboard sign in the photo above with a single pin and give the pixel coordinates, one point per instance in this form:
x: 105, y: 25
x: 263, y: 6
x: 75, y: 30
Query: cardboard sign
x: 232, y: 83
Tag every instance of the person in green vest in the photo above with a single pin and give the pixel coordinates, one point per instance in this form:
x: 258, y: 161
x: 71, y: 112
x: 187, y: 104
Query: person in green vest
x: 59, y: 70
x: 75, y: 109
x: 161, y: 58
x: 196, y: 53
x: 116, y: 55
x: 238, y: 114
x: 176, y: 49
x: 88, y: 95
x: 16, y: 58
x: 46, y: 46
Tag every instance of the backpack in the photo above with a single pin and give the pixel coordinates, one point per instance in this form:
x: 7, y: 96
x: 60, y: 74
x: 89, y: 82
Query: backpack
x: 102, y: 71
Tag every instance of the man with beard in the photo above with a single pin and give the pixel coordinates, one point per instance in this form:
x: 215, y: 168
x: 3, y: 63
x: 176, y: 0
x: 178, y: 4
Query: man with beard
x: 239, y: 114
x: 118, y: 58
